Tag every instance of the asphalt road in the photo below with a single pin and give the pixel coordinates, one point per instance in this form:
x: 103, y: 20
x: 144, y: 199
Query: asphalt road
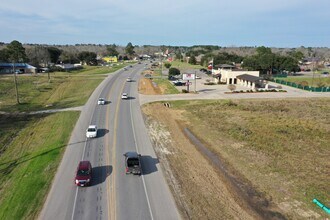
x: 113, y: 194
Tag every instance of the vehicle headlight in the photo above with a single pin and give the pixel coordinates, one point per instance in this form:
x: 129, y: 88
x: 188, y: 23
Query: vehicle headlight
x: 87, y: 180
x: 77, y: 181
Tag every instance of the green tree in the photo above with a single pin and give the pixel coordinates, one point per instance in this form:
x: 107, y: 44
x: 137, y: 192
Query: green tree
x: 67, y: 57
x: 112, y: 50
x: 250, y: 63
x: 192, y: 60
x: 16, y: 53
x: 129, y: 49
x: 4, y: 55
x: 263, y: 61
x: 88, y: 57
x: 54, y: 53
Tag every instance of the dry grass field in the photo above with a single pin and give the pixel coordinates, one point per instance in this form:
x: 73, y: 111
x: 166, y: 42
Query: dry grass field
x: 274, y: 156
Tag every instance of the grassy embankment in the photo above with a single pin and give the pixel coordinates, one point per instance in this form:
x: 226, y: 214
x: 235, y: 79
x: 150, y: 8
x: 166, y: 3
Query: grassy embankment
x: 280, y: 147
x: 31, y: 146
x: 66, y: 89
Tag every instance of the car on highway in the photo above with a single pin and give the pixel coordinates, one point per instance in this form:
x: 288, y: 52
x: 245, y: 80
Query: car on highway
x: 124, y: 96
x: 91, y: 131
x: 133, y: 163
x: 84, y: 173
x: 101, y: 101
x: 129, y: 79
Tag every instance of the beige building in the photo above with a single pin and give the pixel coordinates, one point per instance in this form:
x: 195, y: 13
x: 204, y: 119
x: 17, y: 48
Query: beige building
x: 249, y: 79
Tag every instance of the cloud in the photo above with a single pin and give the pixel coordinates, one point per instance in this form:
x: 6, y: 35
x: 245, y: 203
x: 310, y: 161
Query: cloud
x: 188, y: 22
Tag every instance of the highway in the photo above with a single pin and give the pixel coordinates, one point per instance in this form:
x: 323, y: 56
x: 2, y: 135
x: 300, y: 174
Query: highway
x: 113, y: 194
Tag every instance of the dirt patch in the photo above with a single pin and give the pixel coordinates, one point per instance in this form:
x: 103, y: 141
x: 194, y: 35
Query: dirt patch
x: 147, y: 86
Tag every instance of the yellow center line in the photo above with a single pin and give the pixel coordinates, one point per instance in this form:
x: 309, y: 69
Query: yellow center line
x: 114, y: 143
x: 107, y: 152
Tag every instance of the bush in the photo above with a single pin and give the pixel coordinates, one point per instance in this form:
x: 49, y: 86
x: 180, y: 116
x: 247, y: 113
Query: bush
x: 173, y: 71
x: 184, y: 91
x: 167, y: 65
x: 209, y: 83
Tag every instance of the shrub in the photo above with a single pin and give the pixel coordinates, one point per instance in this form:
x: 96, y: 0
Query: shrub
x: 209, y: 83
x: 231, y: 87
x: 184, y: 91
x: 167, y: 65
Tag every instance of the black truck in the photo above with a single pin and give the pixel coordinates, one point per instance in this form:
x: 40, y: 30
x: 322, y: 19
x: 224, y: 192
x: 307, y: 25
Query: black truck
x: 133, y: 163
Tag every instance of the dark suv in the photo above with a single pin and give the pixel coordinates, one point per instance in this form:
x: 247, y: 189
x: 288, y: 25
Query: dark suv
x: 84, y: 173
x: 133, y: 163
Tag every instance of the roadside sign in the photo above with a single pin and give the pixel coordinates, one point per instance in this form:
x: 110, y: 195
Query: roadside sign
x: 188, y: 83
x: 188, y: 76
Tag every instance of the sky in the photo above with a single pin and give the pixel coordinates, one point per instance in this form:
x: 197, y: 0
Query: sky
x: 270, y: 23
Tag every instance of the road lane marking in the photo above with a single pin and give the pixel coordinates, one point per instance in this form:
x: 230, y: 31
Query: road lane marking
x: 107, y: 155
x: 137, y: 150
x: 115, y: 144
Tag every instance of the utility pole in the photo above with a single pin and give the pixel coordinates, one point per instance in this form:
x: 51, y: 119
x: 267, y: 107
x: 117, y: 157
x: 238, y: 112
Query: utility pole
x: 195, y: 81
x: 15, y: 81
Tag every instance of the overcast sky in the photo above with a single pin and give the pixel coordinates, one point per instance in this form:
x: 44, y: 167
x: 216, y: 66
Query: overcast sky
x: 271, y: 23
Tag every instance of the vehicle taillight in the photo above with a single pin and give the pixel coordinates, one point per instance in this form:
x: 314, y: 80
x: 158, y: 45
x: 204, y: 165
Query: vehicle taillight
x: 126, y: 169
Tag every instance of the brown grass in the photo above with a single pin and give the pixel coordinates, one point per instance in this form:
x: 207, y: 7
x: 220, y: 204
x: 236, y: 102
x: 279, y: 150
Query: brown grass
x: 280, y: 148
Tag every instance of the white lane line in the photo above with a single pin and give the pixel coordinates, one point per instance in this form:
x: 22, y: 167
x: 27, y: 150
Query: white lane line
x: 82, y: 158
x: 74, y: 204
x: 137, y: 150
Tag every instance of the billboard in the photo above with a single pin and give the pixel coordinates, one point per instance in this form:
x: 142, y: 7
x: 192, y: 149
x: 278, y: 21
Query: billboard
x: 188, y: 76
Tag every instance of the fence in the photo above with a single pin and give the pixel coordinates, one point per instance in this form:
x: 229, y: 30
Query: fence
x: 299, y: 86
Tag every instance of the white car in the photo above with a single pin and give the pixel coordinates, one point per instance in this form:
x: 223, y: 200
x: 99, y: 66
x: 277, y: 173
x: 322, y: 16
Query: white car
x: 198, y: 77
x: 129, y: 79
x: 124, y: 96
x: 101, y: 101
x: 91, y: 131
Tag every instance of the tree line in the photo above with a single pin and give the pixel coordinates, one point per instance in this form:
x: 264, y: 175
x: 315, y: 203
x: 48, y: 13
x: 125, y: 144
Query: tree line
x: 264, y: 60
x: 43, y: 55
